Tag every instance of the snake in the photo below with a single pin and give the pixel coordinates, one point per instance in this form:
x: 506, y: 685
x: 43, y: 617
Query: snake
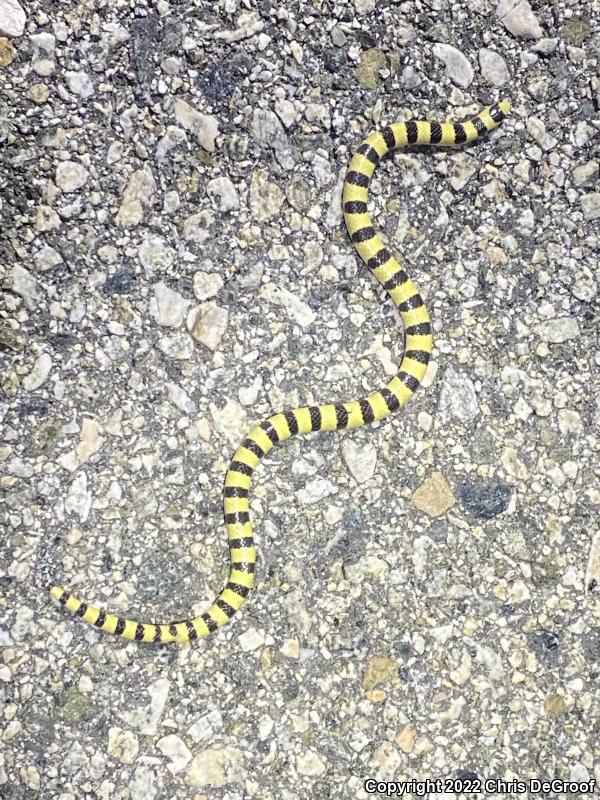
x: 377, y: 405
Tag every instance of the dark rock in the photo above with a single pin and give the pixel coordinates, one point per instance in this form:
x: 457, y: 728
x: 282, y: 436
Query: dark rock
x: 121, y: 282
x: 485, y: 499
x: 591, y: 646
x: 218, y: 82
x: 172, y: 36
x: 144, y: 38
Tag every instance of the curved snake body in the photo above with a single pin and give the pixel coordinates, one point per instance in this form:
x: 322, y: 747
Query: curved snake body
x: 330, y: 417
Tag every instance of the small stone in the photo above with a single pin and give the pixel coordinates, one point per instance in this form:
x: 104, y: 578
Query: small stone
x: 360, y: 459
x: 464, y: 167
x: 251, y: 639
x: 267, y: 130
x: 585, y: 173
x: 154, y: 254
x: 380, y: 671
x: 590, y: 205
x: 172, y: 137
x: 286, y: 111
x: 140, y: 192
x: 215, y: 767
x: 179, y: 345
x: 297, y: 309
x: 204, y: 127
x: 46, y: 258
x: 554, y: 705
x: 196, y: 228
x: 310, y: 764
x: 410, y: 77
x: 207, y: 323
x: 46, y: 219
x: 181, y: 399
x: 40, y: 371
x: 493, y: 67
x: 265, y: 197
x: 90, y: 441
x: 207, y: 285
x: 458, y: 400
x: 585, y: 287
x: 122, y: 745
x: 168, y: 307
x: 38, y: 93
x: 80, y: 84
x: 70, y: 176
x: 316, y: 490
x: 458, y: 68
x: 405, y: 739
x: 176, y: 751
x: 12, y: 18
x: 558, y: 330
x: 576, y: 31
x: 569, y: 421
x: 485, y: 499
x: 223, y: 194
x: 7, y: 52
x: 519, y: 19
x: 23, y: 284
x: 537, y: 130
x: 367, y: 72
x: 79, y: 498
x: 434, y: 496
x: 512, y: 464
x: 248, y: 24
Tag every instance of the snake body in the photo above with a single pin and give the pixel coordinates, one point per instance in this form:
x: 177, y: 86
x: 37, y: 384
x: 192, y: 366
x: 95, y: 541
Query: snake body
x: 331, y: 417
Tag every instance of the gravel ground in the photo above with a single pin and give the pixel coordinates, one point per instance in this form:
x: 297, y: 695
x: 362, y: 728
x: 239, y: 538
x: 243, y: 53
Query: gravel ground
x: 174, y: 267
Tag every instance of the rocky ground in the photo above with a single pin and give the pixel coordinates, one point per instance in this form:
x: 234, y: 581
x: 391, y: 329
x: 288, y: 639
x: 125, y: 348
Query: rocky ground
x: 174, y: 267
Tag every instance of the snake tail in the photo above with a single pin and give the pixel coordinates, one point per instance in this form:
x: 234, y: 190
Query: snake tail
x: 331, y: 417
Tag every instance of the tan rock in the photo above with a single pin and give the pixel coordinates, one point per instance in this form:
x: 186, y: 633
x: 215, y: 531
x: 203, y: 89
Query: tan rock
x: 7, y: 52
x: 380, y: 670
x: 434, y: 496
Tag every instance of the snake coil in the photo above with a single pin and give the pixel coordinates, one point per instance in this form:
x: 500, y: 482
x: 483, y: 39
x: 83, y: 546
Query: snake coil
x: 353, y: 414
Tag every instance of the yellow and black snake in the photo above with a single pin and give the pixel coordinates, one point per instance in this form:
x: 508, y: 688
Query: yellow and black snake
x: 376, y: 406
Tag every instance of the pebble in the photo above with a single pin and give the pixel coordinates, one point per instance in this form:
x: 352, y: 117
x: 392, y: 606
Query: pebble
x: 458, y: 399
x: 248, y: 24
x: 569, y: 421
x: 178, y: 345
x: 558, y: 330
x: 371, y: 63
x: 12, y: 18
x: 123, y: 745
x: 180, y: 398
x: 154, y: 254
x: 434, y: 496
x: 590, y: 205
x: 458, y: 68
x: 79, y: 498
x: 512, y: 464
x: 251, y: 639
x: 7, y: 52
x: 168, y: 308
x: 196, y: 227
x: 39, y: 373
x: 464, y: 167
x: 22, y: 283
x: 176, y: 751
x: 215, y: 767
x: 80, y: 84
x: 207, y: 285
x: 70, y: 176
x: 223, y: 194
x: 138, y: 194
x: 315, y: 491
x: 485, y: 499
x: 585, y: 173
x: 207, y: 323
x: 537, y: 130
x: 311, y: 764
x: 46, y: 258
x: 266, y: 129
x: 203, y: 126
x: 518, y: 17
x: 297, y: 309
x: 493, y: 67
x: 361, y: 459
x: 230, y: 421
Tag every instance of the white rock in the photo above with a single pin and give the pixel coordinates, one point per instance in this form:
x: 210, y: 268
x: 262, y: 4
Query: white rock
x: 70, y: 176
x: 207, y: 284
x: 140, y: 192
x: 79, y: 498
x: 168, y: 307
x: 207, y: 323
x: 40, y: 371
x: 590, y: 205
x: 145, y: 718
x: 519, y: 19
x: 297, y: 309
x: 569, y: 421
x: 12, y: 18
x: 248, y: 23
x: 176, y: 751
x: 286, y: 111
x: 80, y: 84
x: 215, y: 767
x: 223, y: 194
x: 204, y: 127
x: 316, y: 490
x: 493, y: 67
x: 172, y: 137
x: 142, y: 785
x: 155, y: 254
x: 206, y: 727
x: 458, y: 400
x: 537, y: 130
x: 585, y: 173
x: 558, y: 330
x: 458, y: 68
x: 123, y: 745
x: 251, y: 639
x: 265, y: 197
x: 47, y: 258
x: 22, y: 283
x: 43, y: 41
x: 310, y: 763
x: 585, y: 286
x: 464, y: 167
x: 180, y: 398
x: 360, y: 459
x: 230, y: 421
x: 178, y: 345
x: 196, y: 228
